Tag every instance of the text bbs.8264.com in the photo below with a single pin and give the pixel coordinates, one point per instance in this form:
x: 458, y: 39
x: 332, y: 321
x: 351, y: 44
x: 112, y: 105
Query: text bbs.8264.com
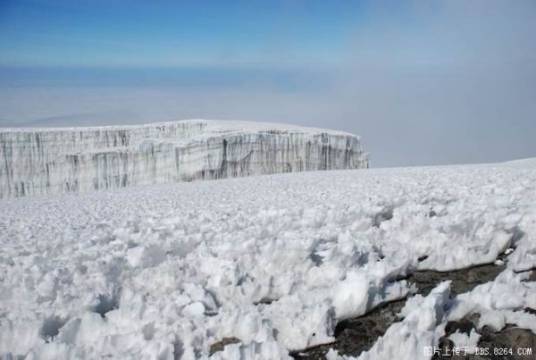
x: 447, y: 352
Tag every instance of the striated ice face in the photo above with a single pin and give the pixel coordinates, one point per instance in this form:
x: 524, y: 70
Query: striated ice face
x: 53, y: 161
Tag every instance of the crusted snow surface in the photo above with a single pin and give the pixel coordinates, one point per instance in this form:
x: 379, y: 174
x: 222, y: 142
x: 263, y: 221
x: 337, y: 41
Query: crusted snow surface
x: 38, y: 161
x: 167, y: 271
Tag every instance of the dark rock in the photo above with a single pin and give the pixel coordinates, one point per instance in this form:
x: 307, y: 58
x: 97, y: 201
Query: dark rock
x: 220, y: 345
x: 462, y: 280
x: 510, y: 343
x: 354, y: 336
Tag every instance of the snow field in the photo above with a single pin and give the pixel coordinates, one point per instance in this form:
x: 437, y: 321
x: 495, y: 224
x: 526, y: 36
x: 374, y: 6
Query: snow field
x: 164, y: 271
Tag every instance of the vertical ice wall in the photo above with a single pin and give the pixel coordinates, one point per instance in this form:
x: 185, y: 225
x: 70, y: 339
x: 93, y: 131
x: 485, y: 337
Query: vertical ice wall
x: 51, y: 161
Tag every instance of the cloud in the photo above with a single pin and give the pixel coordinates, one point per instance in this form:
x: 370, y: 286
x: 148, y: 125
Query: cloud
x: 444, y: 82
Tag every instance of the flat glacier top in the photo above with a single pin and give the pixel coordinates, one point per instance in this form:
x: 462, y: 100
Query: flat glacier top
x: 214, y: 126
x: 273, y: 262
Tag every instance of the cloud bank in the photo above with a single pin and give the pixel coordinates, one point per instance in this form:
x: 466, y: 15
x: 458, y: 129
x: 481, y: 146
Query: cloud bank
x: 440, y: 82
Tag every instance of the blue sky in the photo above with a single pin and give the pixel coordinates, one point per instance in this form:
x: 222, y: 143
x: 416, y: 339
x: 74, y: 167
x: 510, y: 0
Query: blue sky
x: 422, y: 81
x: 174, y: 33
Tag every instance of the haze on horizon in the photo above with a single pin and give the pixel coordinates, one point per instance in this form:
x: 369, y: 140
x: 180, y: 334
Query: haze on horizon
x: 423, y: 82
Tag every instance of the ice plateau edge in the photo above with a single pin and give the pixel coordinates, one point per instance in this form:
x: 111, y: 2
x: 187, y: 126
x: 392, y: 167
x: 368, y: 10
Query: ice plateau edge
x: 39, y: 161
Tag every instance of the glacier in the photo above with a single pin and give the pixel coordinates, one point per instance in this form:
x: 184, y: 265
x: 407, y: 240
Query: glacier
x: 38, y: 161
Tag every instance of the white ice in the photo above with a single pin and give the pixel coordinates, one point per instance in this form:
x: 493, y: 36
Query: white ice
x: 37, y: 161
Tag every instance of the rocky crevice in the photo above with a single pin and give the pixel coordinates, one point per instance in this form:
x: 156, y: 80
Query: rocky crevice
x: 354, y: 336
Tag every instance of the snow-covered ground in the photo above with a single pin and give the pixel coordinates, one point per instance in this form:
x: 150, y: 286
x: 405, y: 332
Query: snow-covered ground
x: 164, y: 271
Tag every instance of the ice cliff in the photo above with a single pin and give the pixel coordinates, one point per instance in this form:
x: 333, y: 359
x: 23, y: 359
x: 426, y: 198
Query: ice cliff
x: 58, y: 160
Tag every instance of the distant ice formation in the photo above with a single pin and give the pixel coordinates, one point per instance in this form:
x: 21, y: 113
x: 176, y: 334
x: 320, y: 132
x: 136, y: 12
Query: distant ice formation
x: 58, y: 160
